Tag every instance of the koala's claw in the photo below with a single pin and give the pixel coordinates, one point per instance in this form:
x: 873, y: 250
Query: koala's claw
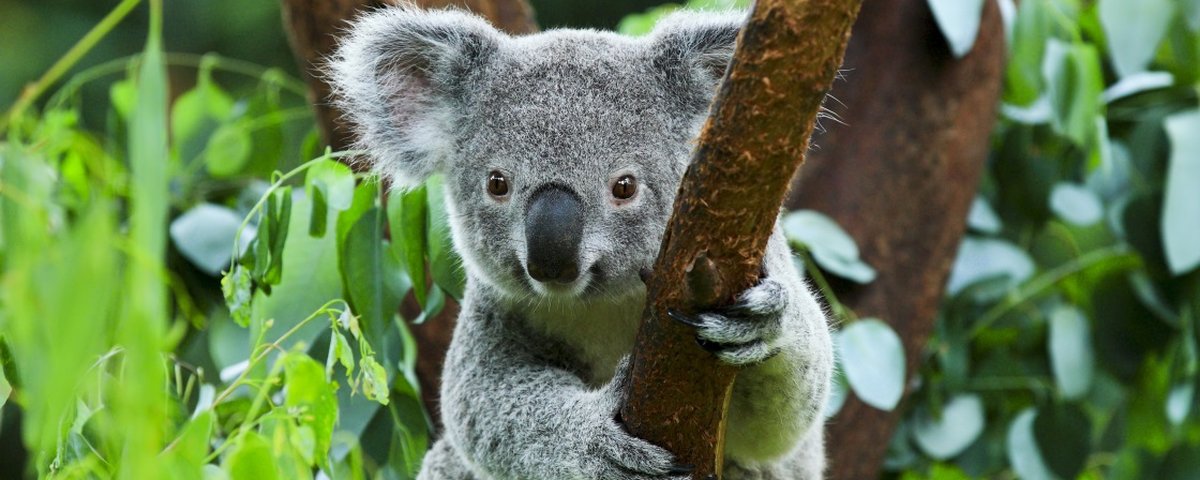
x: 747, y: 332
x: 681, y: 469
x: 684, y: 318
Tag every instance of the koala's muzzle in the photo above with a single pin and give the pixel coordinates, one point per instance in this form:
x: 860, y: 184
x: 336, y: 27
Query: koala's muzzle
x: 553, y: 231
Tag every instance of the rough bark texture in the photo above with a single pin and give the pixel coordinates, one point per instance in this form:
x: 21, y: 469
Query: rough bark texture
x: 754, y: 140
x: 900, y: 177
x: 313, y: 26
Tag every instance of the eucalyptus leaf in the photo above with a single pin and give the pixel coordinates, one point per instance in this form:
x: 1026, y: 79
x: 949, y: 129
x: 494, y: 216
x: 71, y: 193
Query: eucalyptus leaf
x: 961, y: 422
x: 313, y: 399
x: 1074, y: 83
x: 1179, y: 403
x: 1076, y: 204
x: 873, y: 361
x: 335, y: 181
x: 250, y: 459
x: 1137, y: 83
x: 444, y: 262
x: 980, y: 259
x: 959, y: 22
x: 204, y: 235
x: 1181, y: 205
x: 982, y: 218
x: 838, y: 391
x: 832, y: 248
x: 228, y: 150
x: 1071, y: 351
x: 1064, y: 435
x: 5, y: 388
x: 1023, y: 453
x: 408, y: 217
x: 1134, y: 30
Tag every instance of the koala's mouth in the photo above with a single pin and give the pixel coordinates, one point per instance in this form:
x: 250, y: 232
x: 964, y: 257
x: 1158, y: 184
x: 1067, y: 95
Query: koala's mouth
x: 579, y: 285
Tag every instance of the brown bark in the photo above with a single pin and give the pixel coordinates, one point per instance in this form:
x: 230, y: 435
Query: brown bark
x: 313, y: 26
x: 900, y: 178
x: 754, y: 140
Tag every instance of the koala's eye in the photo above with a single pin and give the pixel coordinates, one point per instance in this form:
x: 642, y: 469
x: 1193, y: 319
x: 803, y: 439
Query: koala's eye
x: 624, y: 187
x: 497, y: 185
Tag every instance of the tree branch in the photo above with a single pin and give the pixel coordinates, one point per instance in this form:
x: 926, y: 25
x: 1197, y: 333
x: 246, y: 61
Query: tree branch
x: 900, y: 180
x: 754, y: 140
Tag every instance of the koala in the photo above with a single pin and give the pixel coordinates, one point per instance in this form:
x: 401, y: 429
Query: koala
x: 561, y: 154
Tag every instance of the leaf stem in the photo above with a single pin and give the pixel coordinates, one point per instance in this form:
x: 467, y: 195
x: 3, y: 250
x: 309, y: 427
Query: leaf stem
x: 844, y: 313
x: 69, y: 59
x: 1038, y: 285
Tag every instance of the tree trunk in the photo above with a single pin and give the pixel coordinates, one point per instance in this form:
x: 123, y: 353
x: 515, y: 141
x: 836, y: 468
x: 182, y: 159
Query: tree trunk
x: 900, y: 178
x: 754, y: 140
x: 312, y: 27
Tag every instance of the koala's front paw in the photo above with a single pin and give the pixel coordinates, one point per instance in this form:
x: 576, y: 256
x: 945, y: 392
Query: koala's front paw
x: 618, y: 455
x: 749, y: 331
x: 611, y: 451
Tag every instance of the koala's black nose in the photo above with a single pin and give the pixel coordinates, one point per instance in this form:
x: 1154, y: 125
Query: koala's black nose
x: 553, y: 230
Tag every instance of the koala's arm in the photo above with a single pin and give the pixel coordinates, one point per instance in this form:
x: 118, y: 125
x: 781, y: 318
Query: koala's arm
x: 513, y: 416
x: 778, y: 403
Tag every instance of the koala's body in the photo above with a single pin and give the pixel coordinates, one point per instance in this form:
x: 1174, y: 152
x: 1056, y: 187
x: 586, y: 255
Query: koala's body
x: 562, y: 153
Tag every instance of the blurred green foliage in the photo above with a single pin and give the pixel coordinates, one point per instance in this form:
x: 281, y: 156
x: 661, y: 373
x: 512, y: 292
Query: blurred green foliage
x: 262, y: 341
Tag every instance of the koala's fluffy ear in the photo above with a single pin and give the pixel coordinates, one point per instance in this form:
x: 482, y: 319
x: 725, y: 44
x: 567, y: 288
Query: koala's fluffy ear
x: 692, y: 49
x: 397, y: 77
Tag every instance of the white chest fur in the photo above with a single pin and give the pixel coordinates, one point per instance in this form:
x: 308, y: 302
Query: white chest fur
x: 600, y: 331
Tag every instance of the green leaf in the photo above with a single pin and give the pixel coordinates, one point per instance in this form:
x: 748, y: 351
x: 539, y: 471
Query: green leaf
x: 250, y: 459
x: 318, y: 218
x: 1181, y: 205
x: 961, y: 422
x: 444, y: 262
x: 982, y: 218
x: 5, y: 388
x: 1183, y: 463
x: 309, y: 280
x: 1076, y: 204
x: 373, y: 280
x: 1023, y: 76
x: 1071, y: 351
x: 335, y: 180
x: 340, y: 352
x: 1064, y: 436
x: 1023, y: 452
x: 204, y: 233
x: 187, y: 453
x: 1137, y: 83
x: 1179, y: 402
x: 407, y: 220
x: 1074, y: 85
x: 959, y: 22
x: 1134, y: 30
x: 1191, y: 13
x: 228, y: 150
x: 838, y: 391
x: 375, y: 384
x: 831, y: 247
x: 313, y: 400
x: 980, y: 259
x: 198, y: 112
x: 873, y: 360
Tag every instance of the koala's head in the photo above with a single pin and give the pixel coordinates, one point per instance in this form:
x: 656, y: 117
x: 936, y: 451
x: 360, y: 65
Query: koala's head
x: 562, y: 151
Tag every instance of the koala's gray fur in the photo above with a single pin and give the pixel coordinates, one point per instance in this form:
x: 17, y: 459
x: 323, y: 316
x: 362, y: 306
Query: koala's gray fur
x: 530, y: 389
